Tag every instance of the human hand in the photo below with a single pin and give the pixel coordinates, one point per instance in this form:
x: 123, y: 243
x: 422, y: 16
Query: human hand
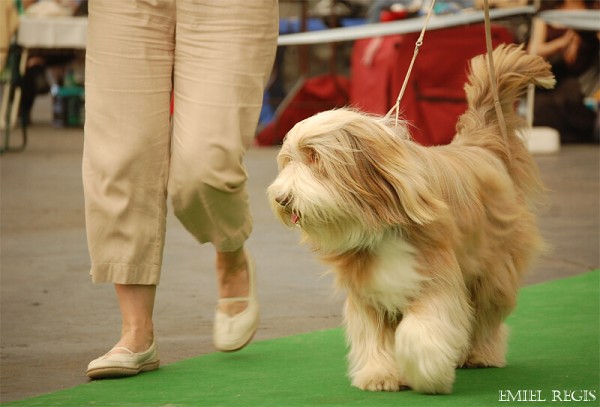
x: 572, y: 42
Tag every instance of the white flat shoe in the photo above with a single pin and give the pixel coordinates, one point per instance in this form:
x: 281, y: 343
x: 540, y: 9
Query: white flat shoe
x: 123, y: 364
x: 231, y: 333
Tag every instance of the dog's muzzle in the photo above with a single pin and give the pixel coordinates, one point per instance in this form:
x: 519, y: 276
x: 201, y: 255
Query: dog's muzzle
x: 285, y: 201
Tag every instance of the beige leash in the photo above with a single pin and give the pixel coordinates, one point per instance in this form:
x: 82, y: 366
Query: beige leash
x: 492, y: 74
x: 418, y: 44
x: 491, y: 69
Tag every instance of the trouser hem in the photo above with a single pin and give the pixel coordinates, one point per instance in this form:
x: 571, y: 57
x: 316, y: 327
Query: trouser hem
x: 125, y: 274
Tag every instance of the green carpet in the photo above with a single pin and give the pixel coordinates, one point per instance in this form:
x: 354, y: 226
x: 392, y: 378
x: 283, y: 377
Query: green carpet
x: 554, y: 348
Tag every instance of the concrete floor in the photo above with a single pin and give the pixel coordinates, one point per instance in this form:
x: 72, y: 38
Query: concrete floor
x: 54, y: 320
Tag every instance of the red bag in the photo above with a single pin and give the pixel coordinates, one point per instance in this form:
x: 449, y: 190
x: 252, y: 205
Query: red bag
x: 309, y: 96
x: 434, y: 97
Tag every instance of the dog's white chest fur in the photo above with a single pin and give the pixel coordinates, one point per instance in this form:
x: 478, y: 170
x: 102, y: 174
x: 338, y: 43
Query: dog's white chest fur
x: 393, y: 279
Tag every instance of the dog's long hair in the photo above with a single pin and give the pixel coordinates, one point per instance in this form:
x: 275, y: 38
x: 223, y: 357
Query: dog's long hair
x: 430, y: 243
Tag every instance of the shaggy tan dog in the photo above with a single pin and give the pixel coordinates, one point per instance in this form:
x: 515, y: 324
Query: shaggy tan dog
x: 430, y: 243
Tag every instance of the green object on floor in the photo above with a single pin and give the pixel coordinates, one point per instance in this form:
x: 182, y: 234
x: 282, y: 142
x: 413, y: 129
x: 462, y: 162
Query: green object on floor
x: 553, y: 356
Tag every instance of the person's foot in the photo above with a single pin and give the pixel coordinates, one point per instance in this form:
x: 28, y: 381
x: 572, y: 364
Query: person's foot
x: 139, y: 342
x: 122, y: 362
x: 136, y: 350
x: 237, y: 314
x: 232, y: 275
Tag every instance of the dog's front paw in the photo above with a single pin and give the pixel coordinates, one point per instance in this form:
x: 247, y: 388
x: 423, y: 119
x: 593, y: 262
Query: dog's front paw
x: 377, y: 380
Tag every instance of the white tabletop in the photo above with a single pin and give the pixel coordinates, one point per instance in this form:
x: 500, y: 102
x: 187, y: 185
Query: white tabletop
x: 397, y: 27
x: 52, y: 32
x: 71, y: 32
x: 588, y: 20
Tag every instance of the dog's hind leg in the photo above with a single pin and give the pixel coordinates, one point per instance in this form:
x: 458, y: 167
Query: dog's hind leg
x: 489, y: 346
x: 432, y: 340
x: 493, y: 297
x: 371, y: 340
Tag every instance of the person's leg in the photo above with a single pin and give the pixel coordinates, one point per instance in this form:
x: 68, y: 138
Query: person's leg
x: 578, y: 118
x: 224, y: 53
x: 136, y: 303
x: 137, y: 350
x: 129, y: 63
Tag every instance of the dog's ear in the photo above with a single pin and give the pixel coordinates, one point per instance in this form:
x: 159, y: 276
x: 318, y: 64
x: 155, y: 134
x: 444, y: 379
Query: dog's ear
x: 413, y: 197
x: 397, y: 176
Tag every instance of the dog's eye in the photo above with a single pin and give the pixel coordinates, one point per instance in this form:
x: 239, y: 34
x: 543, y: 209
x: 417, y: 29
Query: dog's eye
x: 312, y: 156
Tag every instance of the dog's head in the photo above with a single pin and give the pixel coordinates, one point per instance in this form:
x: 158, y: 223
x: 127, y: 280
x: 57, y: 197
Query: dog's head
x: 346, y: 178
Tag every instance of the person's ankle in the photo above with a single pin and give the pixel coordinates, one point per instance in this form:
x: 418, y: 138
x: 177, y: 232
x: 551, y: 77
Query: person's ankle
x: 136, y: 340
x: 231, y: 262
x: 233, y: 280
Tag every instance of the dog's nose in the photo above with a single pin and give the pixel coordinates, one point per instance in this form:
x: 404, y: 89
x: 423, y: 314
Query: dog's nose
x: 283, y: 200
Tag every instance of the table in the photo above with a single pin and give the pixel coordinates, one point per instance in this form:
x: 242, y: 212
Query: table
x: 585, y: 20
x: 52, y: 32
x: 410, y: 25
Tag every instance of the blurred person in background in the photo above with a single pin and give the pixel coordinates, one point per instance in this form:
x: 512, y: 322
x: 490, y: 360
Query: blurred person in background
x: 46, y: 67
x: 575, y: 59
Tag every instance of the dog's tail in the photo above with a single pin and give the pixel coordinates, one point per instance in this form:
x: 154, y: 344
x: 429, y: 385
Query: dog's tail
x: 480, y: 125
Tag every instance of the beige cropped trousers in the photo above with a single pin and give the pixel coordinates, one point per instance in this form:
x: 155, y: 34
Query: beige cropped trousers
x: 216, y: 55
